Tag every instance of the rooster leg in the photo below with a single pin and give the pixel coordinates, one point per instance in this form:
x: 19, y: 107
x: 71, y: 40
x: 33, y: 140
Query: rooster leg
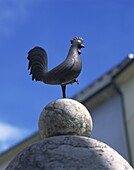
x: 63, y: 90
x: 75, y: 80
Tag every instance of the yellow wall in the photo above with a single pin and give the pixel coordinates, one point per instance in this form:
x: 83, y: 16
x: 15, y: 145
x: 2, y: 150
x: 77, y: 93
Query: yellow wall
x: 4, y: 165
x: 128, y: 92
x: 6, y: 157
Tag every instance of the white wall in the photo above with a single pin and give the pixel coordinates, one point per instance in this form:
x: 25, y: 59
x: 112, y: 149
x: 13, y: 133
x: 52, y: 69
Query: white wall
x: 109, y: 126
x: 128, y: 92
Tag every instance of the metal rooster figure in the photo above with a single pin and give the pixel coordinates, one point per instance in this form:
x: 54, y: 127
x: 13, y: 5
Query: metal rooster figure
x: 65, y: 73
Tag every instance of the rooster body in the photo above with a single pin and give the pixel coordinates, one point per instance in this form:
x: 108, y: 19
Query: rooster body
x: 63, y: 74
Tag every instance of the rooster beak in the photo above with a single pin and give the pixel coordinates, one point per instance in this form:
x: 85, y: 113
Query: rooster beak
x: 82, y: 46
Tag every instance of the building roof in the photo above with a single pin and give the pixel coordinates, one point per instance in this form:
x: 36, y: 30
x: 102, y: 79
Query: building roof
x: 104, y: 85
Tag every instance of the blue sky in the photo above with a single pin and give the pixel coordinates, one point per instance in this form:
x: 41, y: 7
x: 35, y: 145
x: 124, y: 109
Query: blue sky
x: 107, y: 27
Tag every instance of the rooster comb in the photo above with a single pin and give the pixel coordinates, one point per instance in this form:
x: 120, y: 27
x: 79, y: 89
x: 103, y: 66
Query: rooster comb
x: 77, y: 38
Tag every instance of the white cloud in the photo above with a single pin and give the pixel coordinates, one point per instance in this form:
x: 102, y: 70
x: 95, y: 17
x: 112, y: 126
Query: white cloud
x: 10, y: 135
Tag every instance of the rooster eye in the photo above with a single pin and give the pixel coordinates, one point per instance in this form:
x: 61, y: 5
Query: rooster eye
x: 79, y: 41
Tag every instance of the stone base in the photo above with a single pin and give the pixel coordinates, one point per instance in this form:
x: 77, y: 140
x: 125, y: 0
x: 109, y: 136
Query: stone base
x: 65, y: 117
x: 69, y: 153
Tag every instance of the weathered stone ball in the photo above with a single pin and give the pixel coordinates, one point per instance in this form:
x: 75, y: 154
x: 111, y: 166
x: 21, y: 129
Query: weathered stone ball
x: 69, y: 153
x: 65, y: 117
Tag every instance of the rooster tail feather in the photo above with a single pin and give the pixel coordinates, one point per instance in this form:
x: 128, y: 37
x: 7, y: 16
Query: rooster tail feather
x: 38, y: 63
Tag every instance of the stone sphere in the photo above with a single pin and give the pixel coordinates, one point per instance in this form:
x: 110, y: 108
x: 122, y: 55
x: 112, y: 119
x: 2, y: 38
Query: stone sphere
x: 69, y: 153
x: 65, y: 117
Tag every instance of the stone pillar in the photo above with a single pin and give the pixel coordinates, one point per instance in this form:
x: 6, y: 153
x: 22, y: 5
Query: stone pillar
x: 65, y: 126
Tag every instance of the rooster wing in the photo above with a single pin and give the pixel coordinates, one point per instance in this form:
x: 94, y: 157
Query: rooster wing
x: 62, y: 74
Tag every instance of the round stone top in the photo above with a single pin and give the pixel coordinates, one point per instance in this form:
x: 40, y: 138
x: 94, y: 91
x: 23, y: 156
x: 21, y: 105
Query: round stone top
x: 65, y: 117
x: 69, y: 153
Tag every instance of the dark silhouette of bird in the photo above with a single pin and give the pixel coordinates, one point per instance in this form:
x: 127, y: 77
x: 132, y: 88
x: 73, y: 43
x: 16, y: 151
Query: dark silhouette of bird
x: 65, y: 73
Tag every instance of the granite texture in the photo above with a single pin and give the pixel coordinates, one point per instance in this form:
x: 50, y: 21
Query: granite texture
x: 65, y: 117
x: 69, y: 153
x: 65, y: 126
